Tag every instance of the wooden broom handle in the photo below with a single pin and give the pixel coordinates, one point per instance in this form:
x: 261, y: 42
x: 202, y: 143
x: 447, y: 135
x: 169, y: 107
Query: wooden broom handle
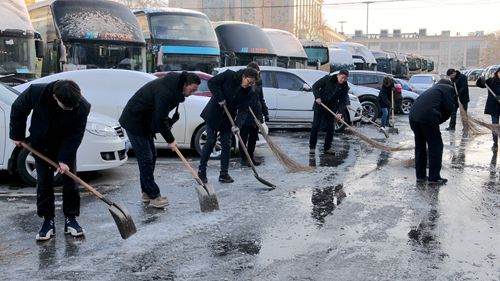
x: 491, y: 91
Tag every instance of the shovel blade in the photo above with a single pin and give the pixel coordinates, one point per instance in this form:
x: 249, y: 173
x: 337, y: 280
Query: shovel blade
x: 393, y: 130
x: 272, y: 186
x: 207, y: 198
x: 123, y: 220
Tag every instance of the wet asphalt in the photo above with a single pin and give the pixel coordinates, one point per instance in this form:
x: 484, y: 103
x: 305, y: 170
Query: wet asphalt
x: 359, y: 215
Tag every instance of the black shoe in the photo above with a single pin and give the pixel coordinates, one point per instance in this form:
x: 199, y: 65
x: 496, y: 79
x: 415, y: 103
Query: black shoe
x: 47, y: 231
x: 203, y: 177
x: 450, y: 129
x: 226, y: 178
x: 421, y: 180
x: 72, y: 227
x: 438, y: 181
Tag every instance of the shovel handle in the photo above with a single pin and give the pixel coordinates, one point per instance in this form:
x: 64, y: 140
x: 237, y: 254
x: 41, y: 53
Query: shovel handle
x: 191, y: 170
x: 68, y: 173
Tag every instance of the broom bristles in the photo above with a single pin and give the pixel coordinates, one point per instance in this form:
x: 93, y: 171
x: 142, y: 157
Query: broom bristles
x: 286, y: 161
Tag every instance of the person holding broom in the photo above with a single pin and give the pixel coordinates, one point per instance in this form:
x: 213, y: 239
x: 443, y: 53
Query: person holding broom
x: 492, y: 106
x: 145, y: 115
x: 232, y: 90
x: 460, y: 81
x: 249, y: 130
x: 432, y: 108
x: 57, y: 127
x: 332, y: 91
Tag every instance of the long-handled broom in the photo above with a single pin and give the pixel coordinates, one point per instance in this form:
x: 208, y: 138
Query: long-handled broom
x: 375, y: 124
x: 467, y: 123
x: 290, y: 164
x: 367, y: 139
x: 495, y: 128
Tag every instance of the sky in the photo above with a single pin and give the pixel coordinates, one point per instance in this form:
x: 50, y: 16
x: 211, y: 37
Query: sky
x: 435, y: 15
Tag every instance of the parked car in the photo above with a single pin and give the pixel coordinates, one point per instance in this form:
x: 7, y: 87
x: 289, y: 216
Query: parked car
x: 404, y: 84
x: 108, y: 90
x: 473, y: 75
x: 104, y: 144
x: 289, y: 97
x: 421, y: 82
x: 489, y: 71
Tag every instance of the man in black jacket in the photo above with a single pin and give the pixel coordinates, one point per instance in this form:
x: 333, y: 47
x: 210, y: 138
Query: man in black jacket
x: 432, y: 108
x: 57, y: 128
x: 234, y: 90
x: 460, y: 80
x: 145, y: 115
x: 332, y: 91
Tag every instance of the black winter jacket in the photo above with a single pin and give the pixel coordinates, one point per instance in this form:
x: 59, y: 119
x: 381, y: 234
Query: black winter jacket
x: 384, y: 97
x: 333, y: 95
x: 492, y: 106
x: 146, y: 113
x: 50, y: 124
x: 227, y: 86
x: 434, y: 106
x: 257, y: 104
x: 462, y: 87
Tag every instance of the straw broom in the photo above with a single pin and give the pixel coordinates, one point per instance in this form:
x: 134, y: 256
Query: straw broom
x: 467, y: 123
x: 367, y: 139
x: 495, y: 128
x: 286, y: 161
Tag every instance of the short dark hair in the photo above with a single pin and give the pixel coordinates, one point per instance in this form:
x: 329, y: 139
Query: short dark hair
x: 254, y: 65
x: 445, y: 82
x: 67, y: 92
x: 250, y: 72
x: 450, y: 71
x: 387, y: 80
x: 192, y: 78
x: 344, y: 71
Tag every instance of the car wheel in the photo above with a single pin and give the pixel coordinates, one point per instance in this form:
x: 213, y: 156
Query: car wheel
x: 27, y: 171
x: 370, y: 109
x: 339, y: 126
x: 406, y: 106
x: 200, y: 139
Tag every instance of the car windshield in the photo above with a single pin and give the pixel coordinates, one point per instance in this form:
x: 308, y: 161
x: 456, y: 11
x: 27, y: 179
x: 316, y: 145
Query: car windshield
x: 421, y: 80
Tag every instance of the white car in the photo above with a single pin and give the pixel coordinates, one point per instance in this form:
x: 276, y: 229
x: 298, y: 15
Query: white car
x: 289, y: 97
x: 103, y: 145
x: 108, y: 90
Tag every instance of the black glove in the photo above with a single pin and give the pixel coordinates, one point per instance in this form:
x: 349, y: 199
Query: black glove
x: 222, y: 103
x: 266, y: 118
x: 175, y: 117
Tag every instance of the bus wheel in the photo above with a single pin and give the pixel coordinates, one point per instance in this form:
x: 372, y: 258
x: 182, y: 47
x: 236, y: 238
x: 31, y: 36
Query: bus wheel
x: 27, y: 171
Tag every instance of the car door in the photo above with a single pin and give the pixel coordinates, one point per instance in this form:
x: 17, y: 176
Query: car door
x: 270, y: 92
x: 367, y: 80
x: 294, y: 103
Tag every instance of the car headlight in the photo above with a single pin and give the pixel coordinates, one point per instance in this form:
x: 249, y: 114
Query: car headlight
x: 100, y: 130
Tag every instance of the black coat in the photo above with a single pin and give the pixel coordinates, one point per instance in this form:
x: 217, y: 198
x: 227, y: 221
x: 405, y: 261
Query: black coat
x: 227, y: 86
x: 50, y: 124
x: 435, y: 105
x: 146, y: 113
x: 492, y: 106
x: 462, y: 87
x: 384, y: 97
x: 333, y: 95
x: 257, y: 104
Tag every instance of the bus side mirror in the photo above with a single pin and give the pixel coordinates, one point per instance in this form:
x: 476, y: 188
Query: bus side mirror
x: 39, y: 48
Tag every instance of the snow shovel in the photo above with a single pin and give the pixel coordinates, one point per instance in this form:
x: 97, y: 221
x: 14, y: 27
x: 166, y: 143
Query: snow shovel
x: 374, y: 124
x: 238, y: 136
x: 393, y: 129
x: 206, y: 194
x: 120, y: 214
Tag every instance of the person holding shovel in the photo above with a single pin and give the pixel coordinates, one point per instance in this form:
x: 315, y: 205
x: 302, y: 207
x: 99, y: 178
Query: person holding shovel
x: 249, y: 131
x: 332, y: 91
x: 57, y: 127
x: 492, y: 106
x: 232, y: 90
x: 460, y: 81
x: 432, y: 108
x: 145, y: 115
x: 384, y: 100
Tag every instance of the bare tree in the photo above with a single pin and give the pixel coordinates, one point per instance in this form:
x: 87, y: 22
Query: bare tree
x: 490, y: 54
x: 137, y: 4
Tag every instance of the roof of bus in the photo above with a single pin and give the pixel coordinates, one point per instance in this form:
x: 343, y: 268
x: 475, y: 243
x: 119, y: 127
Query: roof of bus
x: 14, y: 15
x: 285, y: 43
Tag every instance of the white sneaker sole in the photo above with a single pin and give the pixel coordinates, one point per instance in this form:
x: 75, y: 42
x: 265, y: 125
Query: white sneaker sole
x: 74, y: 233
x: 49, y: 235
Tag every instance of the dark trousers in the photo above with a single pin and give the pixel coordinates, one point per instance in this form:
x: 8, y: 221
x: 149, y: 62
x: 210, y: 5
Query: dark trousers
x: 322, y: 120
x: 427, y: 137
x: 453, y: 117
x: 225, y: 142
x: 45, y: 187
x: 249, y: 135
x: 145, y: 153
x: 494, y: 120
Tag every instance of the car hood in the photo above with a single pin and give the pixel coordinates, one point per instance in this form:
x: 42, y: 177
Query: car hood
x: 99, y: 118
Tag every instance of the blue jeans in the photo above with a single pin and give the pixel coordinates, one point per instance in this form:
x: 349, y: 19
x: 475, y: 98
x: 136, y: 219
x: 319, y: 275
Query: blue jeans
x: 494, y: 120
x: 225, y: 141
x: 145, y: 152
x: 384, y: 122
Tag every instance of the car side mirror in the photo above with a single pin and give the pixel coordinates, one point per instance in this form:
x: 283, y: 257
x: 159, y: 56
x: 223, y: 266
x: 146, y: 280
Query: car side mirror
x: 306, y: 87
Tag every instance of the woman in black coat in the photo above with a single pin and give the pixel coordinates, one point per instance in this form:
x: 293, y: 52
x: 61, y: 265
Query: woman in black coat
x: 384, y: 97
x: 493, y: 102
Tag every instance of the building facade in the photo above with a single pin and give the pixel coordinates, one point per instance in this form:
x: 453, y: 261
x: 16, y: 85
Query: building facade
x: 303, y: 18
x: 446, y: 51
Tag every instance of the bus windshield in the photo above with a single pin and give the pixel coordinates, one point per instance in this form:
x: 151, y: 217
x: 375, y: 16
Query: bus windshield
x: 96, y: 20
x: 88, y: 55
x: 316, y: 54
x: 17, y: 55
x: 182, y: 27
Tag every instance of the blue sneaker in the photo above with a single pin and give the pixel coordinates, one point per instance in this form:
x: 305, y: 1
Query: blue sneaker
x: 72, y: 227
x: 47, y: 231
